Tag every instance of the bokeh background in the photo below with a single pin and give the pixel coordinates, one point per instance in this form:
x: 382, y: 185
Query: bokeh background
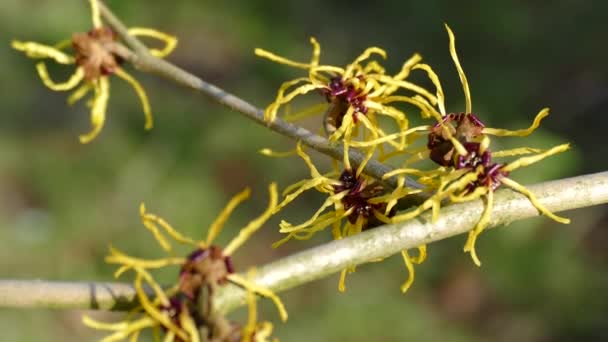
x: 62, y: 203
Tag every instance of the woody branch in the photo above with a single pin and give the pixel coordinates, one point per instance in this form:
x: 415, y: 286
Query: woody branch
x: 322, y: 261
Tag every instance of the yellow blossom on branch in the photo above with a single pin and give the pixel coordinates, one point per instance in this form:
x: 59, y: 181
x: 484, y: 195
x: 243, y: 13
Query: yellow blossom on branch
x: 177, y: 311
x: 354, y: 203
x: 452, y: 130
x: 357, y: 93
x: 97, y: 54
x: 480, y: 179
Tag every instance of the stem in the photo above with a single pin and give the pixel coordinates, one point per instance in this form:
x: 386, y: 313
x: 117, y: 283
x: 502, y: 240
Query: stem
x: 67, y: 295
x: 322, y: 261
x: 142, y: 60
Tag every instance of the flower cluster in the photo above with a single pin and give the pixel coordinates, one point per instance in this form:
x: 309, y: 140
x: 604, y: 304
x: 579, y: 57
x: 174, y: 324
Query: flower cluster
x: 97, y: 54
x: 354, y: 203
x: 458, y: 143
x: 362, y: 108
x: 351, y: 97
x: 181, y: 312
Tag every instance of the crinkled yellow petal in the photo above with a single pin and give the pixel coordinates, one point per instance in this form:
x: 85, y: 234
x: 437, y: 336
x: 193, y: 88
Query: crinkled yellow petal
x: 392, y: 198
x: 407, y: 67
x: 373, y: 67
x: 382, y: 109
x: 515, y: 152
x: 316, y: 51
x: 331, y: 200
x: 458, y: 146
x: 188, y: 324
x: 79, y: 93
x: 369, y: 153
x: 519, y: 133
x: 461, y: 74
x: 475, y: 194
x: 252, y: 313
x: 152, y: 310
x: 388, y: 138
x: 169, y: 40
x: 483, y: 222
x: 315, y: 73
x: 256, y: 224
x: 263, y: 332
x: 350, y: 229
x: 121, y: 330
x: 95, y: 15
x: 412, y: 171
x: 37, y: 50
x: 141, y: 93
x: 427, y: 111
x: 541, y: 208
x: 271, y: 111
x: 365, y: 55
x: 222, y: 217
x: 425, y: 107
x: 128, y: 262
x: 410, y: 269
x: 314, y: 173
x: 151, y: 221
x: 306, y: 185
x: 98, y: 109
x: 91, y: 323
x: 342, y: 281
x: 347, y: 121
x: 525, y: 161
x: 400, y: 120
x: 281, y: 60
x: 263, y: 291
x: 71, y: 83
x: 435, y: 79
x: 435, y: 200
x: 421, y: 255
x: 63, y: 44
x: 322, y: 222
x: 406, y: 85
x: 169, y: 336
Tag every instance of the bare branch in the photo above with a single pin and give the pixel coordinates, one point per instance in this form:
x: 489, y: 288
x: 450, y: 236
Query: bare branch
x: 66, y: 295
x: 322, y: 261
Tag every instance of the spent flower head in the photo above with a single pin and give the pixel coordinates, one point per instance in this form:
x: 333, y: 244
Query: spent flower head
x: 187, y: 307
x: 97, y: 54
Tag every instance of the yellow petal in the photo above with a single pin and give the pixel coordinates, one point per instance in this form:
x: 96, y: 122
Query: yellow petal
x: 169, y: 40
x: 71, y: 83
x: 463, y: 77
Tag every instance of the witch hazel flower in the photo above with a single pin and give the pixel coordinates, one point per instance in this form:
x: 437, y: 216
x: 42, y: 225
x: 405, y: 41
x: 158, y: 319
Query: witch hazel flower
x: 352, y: 97
x: 460, y: 144
x: 97, y: 54
x: 178, y: 312
x: 354, y: 203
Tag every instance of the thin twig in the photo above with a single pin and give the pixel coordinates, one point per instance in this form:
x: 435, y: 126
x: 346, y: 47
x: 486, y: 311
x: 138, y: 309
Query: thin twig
x: 142, y: 60
x: 67, y: 295
x: 322, y: 261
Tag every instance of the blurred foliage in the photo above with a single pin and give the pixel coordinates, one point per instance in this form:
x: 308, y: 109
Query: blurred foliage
x: 62, y: 203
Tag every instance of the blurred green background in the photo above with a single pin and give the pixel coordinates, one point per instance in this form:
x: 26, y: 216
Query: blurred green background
x: 62, y: 203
